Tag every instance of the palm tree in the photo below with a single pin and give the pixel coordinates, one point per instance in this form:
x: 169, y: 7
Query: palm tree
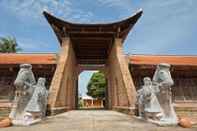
x: 8, y: 45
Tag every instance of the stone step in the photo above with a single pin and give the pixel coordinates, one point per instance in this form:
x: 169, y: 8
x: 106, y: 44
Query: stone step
x: 191, y: 109
x: 4, y: 112
x: 5, y: 107
x: 187, y: 109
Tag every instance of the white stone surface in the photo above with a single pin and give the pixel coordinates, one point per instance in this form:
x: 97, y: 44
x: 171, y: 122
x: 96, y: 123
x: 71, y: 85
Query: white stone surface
x: 94, y: 120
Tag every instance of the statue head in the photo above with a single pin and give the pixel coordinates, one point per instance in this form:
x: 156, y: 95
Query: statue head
x: 41, y: 81
x: 147, y: 81
x: 162, y: 74
x: 26, y: 66
x: 163, y: 66
x: 25, y: 74
x: 146, y: 88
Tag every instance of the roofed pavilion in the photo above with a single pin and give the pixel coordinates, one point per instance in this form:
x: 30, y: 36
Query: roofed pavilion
x: 92, y: 43
x: 92, y: 46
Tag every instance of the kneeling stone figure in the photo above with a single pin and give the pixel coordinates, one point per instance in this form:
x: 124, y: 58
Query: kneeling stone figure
x: 155, y: 99
x: 148, y: 104
x: 36, y: 108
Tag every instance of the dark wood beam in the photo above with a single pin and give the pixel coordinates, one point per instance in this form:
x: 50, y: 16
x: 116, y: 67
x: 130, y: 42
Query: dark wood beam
x: 88, y: 38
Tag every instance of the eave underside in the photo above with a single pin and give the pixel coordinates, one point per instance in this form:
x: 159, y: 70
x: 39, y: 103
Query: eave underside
x: 92, y: 43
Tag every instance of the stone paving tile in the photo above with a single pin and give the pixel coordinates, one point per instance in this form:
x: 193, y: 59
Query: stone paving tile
x: 94, y: 121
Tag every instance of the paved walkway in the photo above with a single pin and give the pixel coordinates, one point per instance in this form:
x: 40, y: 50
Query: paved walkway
x: 96, y: 120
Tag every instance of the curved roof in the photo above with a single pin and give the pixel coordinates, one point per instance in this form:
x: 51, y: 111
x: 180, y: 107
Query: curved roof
x: 92, y: 43
x: 119, y: 29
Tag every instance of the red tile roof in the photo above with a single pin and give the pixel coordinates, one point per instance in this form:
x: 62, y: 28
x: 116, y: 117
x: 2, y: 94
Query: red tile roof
x: 156, y: 59
x: 13, y: 58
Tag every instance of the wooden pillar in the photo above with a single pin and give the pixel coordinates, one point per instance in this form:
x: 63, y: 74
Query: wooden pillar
x: 109, y: 90
x: 123, y: 87
x: 59, y: 101
x: 92, y: 102
x: 102, y: 103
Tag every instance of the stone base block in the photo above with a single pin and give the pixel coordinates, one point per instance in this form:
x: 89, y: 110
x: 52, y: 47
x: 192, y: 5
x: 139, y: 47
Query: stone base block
x: 56, y: 110
x: 126, y: 110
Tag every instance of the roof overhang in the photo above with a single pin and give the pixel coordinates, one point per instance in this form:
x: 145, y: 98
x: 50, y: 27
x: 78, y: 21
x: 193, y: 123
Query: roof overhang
x: 35, y: 59
x: 176, y: 60
x: 149, y: 62
x: 92, y: 43
x: 118, y: 29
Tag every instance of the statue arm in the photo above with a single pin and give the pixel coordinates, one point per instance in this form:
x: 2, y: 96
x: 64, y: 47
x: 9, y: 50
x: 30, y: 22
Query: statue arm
x: 139, y: 92
x: 156, y: 88
x: 166, y: 78
x: 168, y: 82
x: 27, y: 84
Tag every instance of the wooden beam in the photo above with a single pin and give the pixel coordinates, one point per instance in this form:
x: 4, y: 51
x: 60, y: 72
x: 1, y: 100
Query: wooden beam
x: 91, y: 32
x: 91, y: 38
x: 92, y: 57
x: 91, y: 61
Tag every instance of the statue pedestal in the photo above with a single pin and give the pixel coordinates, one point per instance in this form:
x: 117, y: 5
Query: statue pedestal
x: 25, y: 122
x: 158, y: 123
x: 168, y: 122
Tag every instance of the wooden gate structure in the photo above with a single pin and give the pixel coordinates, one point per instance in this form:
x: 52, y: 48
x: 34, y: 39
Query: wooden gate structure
x: 91, y: 46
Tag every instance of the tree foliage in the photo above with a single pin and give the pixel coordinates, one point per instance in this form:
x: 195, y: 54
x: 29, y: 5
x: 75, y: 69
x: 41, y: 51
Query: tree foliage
x: 8, y: 45
x: 97, y: 85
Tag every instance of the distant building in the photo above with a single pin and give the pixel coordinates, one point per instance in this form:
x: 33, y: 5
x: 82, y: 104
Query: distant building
x: 90, y: 102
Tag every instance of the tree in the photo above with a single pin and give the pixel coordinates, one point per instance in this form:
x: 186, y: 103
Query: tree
x: 97, y: 85
x: 8, y: 45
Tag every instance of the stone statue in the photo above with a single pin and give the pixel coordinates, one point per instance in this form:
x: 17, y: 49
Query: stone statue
x: 23, y: 93
x: 163, y: 80
x: 30, y: 101
x: 36, y: 108
x: 148, y: 105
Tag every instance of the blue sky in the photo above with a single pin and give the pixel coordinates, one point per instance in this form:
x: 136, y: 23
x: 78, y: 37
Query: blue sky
x: 166, y: 27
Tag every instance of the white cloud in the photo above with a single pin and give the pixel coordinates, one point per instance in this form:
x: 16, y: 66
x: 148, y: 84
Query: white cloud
x: 34, y: 8
x: 123, y: 4
x: 32, y: 45
x: 165, y: 27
